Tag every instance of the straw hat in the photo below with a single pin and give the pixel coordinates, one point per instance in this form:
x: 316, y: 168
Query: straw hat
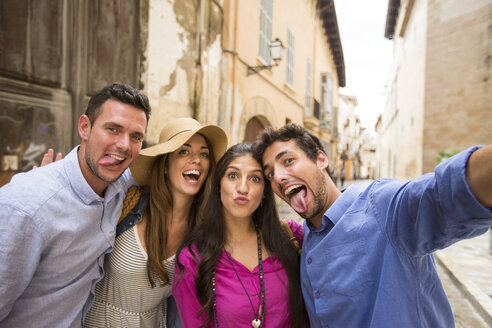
x: 173, y: 135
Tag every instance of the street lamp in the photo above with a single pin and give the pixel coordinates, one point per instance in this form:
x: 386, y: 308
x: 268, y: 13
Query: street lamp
x: 276, y: 50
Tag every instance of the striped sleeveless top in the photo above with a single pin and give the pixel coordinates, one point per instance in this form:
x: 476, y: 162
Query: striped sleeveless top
x: 124, y: 297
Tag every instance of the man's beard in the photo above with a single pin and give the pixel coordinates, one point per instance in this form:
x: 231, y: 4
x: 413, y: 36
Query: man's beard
x: 94, y: 168
x: 319, y: 199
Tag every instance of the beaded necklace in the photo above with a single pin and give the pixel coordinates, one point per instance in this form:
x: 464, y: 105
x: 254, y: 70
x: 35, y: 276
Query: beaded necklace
x: 257, y: 321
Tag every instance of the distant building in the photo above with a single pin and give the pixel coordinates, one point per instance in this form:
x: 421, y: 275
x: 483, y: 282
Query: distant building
x: 349, y: 139
x: 379, y: 148
x: 368, y: 165
x: 439, y: 89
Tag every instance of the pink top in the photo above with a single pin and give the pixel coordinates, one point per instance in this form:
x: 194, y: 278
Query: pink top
x: 233, y: 306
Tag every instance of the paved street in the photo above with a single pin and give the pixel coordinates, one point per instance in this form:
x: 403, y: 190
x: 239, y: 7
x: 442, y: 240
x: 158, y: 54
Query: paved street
x: 465, y: 270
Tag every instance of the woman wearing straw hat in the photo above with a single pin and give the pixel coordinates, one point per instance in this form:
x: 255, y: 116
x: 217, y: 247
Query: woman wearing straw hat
x: 155, y: 219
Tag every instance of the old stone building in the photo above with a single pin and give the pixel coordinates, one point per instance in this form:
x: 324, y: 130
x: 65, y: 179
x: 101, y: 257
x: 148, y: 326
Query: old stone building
x: 54, y: 54
x: 439, y: 89
x: 208, y: 59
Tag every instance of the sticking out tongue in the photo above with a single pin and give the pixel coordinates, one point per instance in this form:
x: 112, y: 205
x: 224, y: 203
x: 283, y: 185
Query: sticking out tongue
x: 108, y: 160
x: 299, y: 201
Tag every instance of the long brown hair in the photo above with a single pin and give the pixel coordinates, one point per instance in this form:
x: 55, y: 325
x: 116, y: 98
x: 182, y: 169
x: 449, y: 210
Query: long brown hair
x: 209, y: 239
x: 160, y: 204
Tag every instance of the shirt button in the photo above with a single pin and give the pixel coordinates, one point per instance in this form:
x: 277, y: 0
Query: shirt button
x: 309, y: 260
x: 87, y: 200
x: 317, y: 295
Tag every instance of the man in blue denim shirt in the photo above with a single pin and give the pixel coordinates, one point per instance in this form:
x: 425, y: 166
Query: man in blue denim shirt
x: 367, y: 258
x: 58, y: 221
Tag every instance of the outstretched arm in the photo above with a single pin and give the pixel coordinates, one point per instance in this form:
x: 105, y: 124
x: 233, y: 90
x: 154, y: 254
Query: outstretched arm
x: 479, y: 175
x: 437, y: 210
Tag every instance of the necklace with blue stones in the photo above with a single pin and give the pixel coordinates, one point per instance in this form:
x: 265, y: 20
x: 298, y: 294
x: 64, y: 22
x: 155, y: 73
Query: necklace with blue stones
x: 260, y: 314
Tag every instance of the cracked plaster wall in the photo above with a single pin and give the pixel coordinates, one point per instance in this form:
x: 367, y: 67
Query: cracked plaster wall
x: 182, y: 67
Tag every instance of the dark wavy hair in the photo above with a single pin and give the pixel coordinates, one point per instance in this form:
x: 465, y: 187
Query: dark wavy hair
x: 304, y: 139
x: 120, y: 92
x: 209, y: 240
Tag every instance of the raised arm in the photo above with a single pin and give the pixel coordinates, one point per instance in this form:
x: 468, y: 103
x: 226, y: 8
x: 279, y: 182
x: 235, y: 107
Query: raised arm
x: 48, y: 158
x: 479, y: 175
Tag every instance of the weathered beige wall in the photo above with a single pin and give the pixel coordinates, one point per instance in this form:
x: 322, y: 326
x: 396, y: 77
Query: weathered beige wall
x: 182, y: 64
x: 324, y: 63
x: 458, y: 100
x: 439, y: 95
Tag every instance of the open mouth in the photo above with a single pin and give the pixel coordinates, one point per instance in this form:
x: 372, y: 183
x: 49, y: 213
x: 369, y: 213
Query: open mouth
x: 192, y: 175
x: 292, y: 190
x: 297, y: 195
x: 111, y: 159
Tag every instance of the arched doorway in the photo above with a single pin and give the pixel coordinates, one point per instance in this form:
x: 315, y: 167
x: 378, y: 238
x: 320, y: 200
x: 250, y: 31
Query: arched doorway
x: 253, y: 128
x: 256, y: 115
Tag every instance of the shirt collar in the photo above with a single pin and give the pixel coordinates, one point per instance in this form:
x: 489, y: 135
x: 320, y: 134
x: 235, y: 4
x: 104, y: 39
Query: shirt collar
x: 341, y: 204
x: 77, y: 180
x: 336, y: 210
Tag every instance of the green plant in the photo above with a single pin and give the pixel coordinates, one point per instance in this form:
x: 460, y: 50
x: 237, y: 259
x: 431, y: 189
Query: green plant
x: 445, y: 154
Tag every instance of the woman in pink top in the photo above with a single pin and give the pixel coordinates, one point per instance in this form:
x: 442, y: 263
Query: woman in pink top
x: 240, y: 268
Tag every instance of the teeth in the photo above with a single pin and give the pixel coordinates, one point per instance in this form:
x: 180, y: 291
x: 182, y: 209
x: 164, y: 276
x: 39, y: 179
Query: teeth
x: 194, y: 172
x: 290, y: 189
x: 116, y: 157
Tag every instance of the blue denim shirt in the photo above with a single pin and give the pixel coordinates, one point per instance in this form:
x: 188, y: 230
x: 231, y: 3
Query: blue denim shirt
x: 54, y: 232
x: 371, y: 263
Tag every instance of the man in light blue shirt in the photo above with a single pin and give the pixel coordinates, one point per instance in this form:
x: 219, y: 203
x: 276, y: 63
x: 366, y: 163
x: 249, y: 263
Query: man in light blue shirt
x: 58, y: 221
x: 367, y: 258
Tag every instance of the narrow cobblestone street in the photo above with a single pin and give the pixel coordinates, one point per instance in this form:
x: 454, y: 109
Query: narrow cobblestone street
x: 465, y: 269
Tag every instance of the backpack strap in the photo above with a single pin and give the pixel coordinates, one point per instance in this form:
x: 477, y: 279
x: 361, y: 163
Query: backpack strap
x: 292, y: 238
x: 132, y: 198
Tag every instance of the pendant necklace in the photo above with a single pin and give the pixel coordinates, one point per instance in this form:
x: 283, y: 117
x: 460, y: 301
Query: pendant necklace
x: 260, y: 315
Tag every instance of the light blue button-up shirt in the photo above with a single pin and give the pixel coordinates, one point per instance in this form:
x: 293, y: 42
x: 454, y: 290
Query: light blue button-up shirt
x: 54, y: 232
x: 370, y: 264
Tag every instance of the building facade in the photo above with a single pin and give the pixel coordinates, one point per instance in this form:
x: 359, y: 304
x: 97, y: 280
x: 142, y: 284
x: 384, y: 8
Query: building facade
x: 302, y: 87
x: 53, y: 56
x: 439, y: 90
x: 206, y: 59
